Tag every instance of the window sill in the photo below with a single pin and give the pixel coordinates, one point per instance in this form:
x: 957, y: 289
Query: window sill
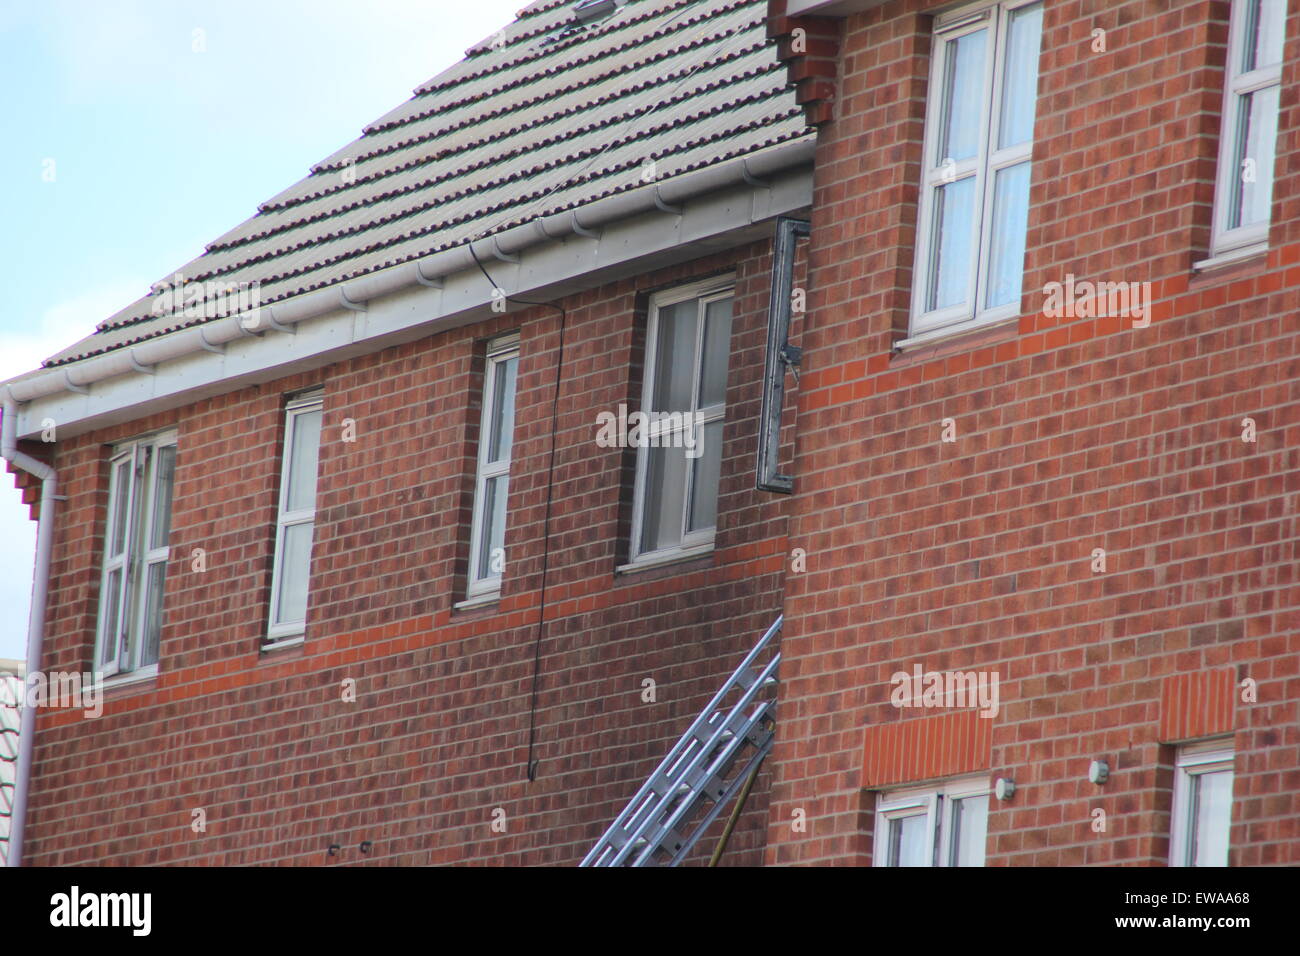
x: 280, y: 643
x: 660, y: 561
x: 965, y: 327
x: 1231, y: 257
x: 119, y: 685
x: 928, y: 345
x: 478, y: 601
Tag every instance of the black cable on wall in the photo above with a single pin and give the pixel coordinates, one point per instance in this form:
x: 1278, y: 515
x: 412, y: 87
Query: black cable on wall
x: 531, y: 767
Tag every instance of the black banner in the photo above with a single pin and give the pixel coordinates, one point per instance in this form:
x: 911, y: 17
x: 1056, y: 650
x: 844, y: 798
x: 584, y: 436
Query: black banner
x: 343, y: 904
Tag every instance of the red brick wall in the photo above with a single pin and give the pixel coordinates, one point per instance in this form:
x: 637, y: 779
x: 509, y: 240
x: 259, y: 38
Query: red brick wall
x: 1072, y: 434
x: 437, y: 738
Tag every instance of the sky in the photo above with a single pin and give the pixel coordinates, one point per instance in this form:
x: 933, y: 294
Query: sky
x: 132, y: 132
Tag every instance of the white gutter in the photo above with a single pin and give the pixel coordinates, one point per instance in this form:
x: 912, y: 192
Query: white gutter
x: 829, y: 8
x: 35, y: 622
x: 430, y: 270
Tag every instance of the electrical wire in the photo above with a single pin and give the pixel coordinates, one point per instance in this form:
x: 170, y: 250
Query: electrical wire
x: 709, y: 56
x: 546, y: 519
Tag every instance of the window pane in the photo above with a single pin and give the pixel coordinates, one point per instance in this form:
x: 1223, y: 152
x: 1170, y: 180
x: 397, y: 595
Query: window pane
x: 1211, y: 817
x: 954, y: 212
x: 963, y: 89
x: 164, y: 476
x: 1256, y: 148
x: 295, y: 566
x: 492, y: 539
x: 1007, y: 239
x: 675, y: 357
x: 304, y: 452
x: 717, y: 346
x: 704, y: 480
x: 113, y: 599
x: 970, y: 820
x: 1020, y: 76
x: 122, y: 493
x: 907, y: 841
x: 503, y: 408
x: 1265, y: 33
x: 665, y: 493
x: 153, y: 612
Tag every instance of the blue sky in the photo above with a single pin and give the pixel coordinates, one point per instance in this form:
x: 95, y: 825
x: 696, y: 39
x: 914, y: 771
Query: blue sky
x: 135, y: 131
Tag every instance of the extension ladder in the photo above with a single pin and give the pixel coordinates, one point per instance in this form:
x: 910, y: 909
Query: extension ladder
x: 660, y: 826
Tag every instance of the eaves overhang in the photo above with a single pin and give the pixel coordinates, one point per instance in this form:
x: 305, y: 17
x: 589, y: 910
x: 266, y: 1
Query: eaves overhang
x: 713, y: 209
x: 829, y: 8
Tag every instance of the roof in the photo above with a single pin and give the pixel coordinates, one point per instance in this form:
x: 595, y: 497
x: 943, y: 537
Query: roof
x: 546, y: 116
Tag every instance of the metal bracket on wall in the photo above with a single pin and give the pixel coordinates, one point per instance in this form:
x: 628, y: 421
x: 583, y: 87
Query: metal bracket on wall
x: 781, y: 355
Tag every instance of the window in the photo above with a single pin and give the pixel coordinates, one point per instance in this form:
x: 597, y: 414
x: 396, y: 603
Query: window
x: 978, y: 140
x: 943, y: 825
x: 1248, y: 138
x: 1202, y: 816
x: 135, y: 556
x: 679, y: 438
x: 487, y: 551
x: 297, y: 519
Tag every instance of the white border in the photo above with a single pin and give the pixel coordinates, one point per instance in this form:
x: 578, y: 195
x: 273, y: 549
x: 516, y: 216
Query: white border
x: 1205, y: 757
x: 278, y: 632
x: 693, y: 543
x: 136, y: 558
x: 1236, y: 86
x: 499, y: 351
x: 983, y: 167
x: 935, y: 801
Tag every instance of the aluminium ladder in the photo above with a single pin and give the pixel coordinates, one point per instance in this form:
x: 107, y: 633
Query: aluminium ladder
x: 658, y: 827
x: 11, y: 702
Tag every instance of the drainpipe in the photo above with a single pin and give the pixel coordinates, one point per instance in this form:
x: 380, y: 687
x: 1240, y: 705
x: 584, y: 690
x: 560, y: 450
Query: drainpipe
x: 36, y: 622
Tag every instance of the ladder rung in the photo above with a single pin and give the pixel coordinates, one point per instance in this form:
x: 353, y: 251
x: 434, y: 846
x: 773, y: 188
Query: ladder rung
x: 694, y: 771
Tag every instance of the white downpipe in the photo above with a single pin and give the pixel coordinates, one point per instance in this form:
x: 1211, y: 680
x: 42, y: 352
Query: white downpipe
x: 36, y: 622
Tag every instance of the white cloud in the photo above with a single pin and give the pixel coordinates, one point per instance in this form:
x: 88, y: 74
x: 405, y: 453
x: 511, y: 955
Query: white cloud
x: 62, y: 324
x: 103, y: 48
x: 219, y: 53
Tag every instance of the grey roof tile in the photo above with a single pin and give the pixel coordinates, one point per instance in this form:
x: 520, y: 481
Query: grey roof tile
x: 546, y: 121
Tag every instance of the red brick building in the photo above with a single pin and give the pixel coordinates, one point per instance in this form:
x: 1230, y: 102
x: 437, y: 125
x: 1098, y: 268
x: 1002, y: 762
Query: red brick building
x: 365, y: 582
x: 1070, y: 433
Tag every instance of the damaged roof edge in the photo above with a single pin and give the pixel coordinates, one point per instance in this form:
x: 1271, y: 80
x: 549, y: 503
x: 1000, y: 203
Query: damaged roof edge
x: 141, y: 359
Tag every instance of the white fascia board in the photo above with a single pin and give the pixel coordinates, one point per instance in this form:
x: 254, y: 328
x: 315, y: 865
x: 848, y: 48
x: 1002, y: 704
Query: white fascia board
x: 829, y: 8
x: 715, y: 221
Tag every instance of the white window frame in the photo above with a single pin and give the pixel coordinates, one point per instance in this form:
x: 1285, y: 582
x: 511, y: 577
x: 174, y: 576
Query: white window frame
x: 1209, y: 756
x: 692, y: 542
x: 935, y: 803
x: 136, y: 559
x: 984, y: 166
x: 283, y: 632
x: 499, y: 351
x: 1241, y: 241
